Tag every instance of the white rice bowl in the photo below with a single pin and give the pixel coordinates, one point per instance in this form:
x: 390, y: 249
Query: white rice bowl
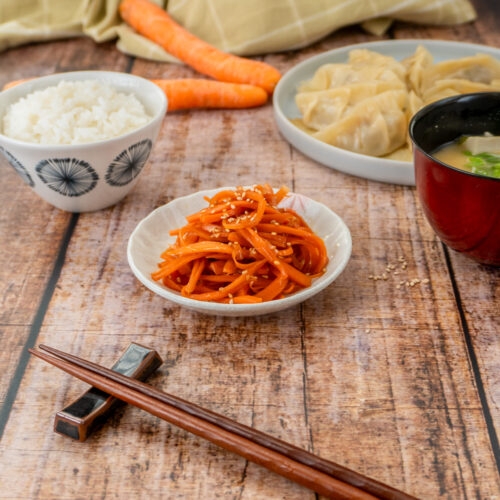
x: 73, y: 112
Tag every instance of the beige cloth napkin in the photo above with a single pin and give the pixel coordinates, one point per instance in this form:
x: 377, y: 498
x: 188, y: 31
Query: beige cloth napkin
x: 242, y: 27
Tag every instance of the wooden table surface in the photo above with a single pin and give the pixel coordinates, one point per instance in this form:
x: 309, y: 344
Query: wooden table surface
x: 399, y: 384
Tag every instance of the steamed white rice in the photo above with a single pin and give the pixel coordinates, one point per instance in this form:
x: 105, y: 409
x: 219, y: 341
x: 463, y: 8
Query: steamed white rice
x: 73, y: 112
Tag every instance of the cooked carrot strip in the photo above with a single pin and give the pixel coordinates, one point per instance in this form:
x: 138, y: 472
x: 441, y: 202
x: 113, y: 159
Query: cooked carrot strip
x: 154, y: 23
x: 273, y: 289
x: 247, y: 299
x: 171, y: 283
x: 219, y: 278
x: 194, y: 277
x: 176, y: 264
x: 229, y: 267
x: 242, y: 249
x: 231, y: 288
x: 217, y: 266
x: 189, y: 93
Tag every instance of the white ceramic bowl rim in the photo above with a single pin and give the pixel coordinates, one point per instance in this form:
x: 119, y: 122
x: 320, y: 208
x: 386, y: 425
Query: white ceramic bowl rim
x: 295, y: 298
x: 19, y: 91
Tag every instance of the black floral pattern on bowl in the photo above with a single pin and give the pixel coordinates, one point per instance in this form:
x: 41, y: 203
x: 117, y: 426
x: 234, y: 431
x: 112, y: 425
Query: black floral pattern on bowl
x: 129, y: 163
x: 18, y: 167
x: 67, y: 176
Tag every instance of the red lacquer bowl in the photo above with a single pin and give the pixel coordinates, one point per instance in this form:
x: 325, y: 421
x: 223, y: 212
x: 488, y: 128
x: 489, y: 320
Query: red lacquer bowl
x: 462, y: 208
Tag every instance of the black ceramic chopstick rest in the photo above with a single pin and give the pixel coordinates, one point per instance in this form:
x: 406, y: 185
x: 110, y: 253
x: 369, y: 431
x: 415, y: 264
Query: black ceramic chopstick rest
x: 79, y: 419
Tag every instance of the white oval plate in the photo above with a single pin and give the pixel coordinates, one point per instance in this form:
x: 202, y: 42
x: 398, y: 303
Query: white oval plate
x: 369, y: 167
x: 150, y: 238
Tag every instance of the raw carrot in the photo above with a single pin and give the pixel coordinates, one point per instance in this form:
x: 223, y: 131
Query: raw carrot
x: 242, y: 249
x: 154, y: 23
x: 199, y: 93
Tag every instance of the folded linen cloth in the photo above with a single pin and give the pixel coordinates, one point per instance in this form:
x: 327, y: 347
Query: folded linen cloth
x: 244, y: 27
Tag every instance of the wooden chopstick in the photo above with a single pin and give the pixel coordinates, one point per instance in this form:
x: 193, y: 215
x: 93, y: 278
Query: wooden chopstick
x: 276, y: 462
x: 337, y: 471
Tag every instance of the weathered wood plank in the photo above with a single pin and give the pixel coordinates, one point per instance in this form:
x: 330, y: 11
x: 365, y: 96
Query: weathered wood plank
x: 478, y: 287
x: 387, y: 371
x: 32, y: 229
x: 243, y: 369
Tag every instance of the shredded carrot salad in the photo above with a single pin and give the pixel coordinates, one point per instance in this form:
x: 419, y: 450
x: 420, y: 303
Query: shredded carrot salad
x: 242, y: 249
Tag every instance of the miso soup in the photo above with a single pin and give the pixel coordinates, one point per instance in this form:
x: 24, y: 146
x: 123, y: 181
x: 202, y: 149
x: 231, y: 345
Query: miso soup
x: 479, y: 155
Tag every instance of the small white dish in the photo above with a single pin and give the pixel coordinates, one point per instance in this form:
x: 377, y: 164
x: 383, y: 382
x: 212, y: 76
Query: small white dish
x: 150, y: 238
x: 369, y: 167
x: 91, y: 176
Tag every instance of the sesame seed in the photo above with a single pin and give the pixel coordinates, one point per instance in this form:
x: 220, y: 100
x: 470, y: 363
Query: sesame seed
x: 230, y: 295
x: 367, y: 331
x: 276, y: 262
x: 244, y: 272
x: 274, y: 233
x: 233, y: 206
x: 221, y: 288
x: 288, y: 244
x: 231, y: 301
x: 265, y: 276
x: 398, y: 286
x: 178, y: 279
x: 384, y: 276
x: 425, y: 281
